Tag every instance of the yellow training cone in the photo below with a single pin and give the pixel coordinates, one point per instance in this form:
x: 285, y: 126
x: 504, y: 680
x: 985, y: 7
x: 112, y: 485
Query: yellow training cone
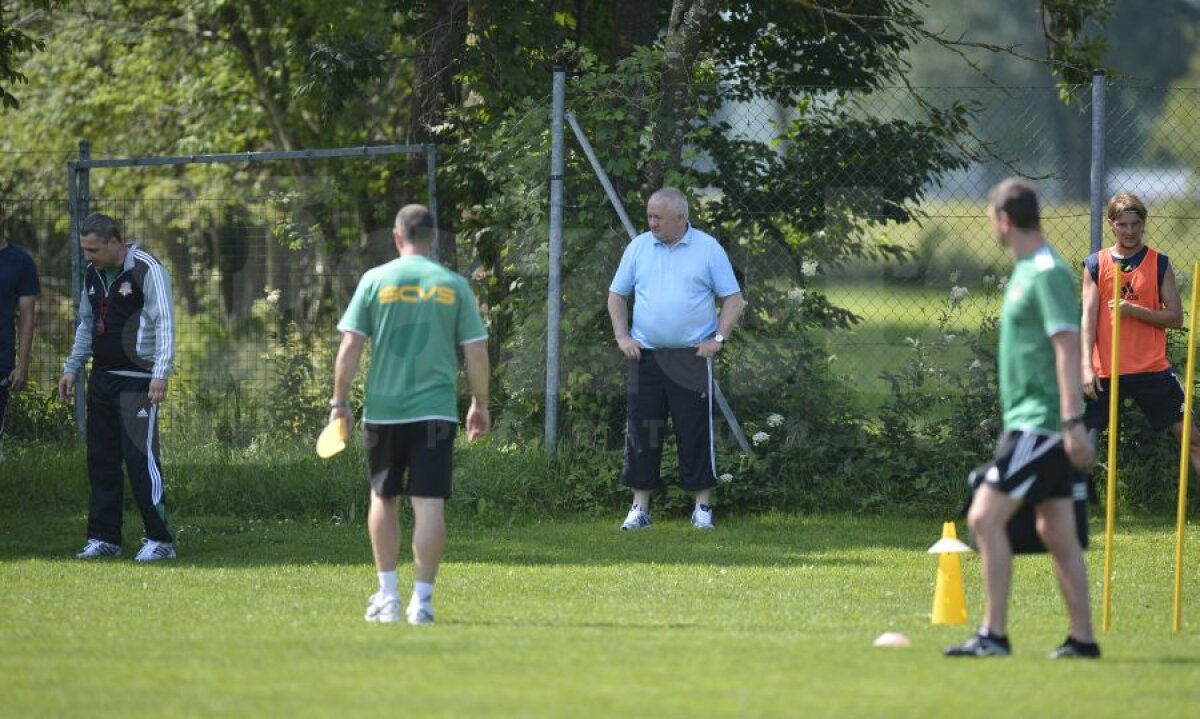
x: 949, y: 603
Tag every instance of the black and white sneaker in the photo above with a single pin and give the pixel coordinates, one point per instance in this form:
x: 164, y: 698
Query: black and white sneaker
x: 982, y: 644
x: 1075, y: 649
x: 636, y: 519
x: 152, y: 551
x: 96, y: 548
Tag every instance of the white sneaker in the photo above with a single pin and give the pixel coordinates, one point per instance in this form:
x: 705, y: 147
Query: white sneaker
x: 98, y: 548
x: 636, y: 519
x: 420, y: 614
x: 702, y: 517
x: 383, y: 608
x: 152, y: 551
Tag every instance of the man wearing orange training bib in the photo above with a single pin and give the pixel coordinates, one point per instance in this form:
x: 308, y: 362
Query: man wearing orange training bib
x: 1149, y: 306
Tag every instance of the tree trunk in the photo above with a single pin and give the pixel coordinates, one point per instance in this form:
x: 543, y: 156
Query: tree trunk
x: 432, y: 90
x: 690, y: 19
x: 179, y: 255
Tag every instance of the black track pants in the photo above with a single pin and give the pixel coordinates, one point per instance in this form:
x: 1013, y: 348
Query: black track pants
x: 122, y: 427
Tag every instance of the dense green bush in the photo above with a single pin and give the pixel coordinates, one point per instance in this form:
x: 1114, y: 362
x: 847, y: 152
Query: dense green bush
x: 35, y: 413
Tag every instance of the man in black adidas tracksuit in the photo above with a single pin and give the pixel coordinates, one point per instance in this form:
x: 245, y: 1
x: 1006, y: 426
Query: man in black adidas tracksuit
x: 126, y: 325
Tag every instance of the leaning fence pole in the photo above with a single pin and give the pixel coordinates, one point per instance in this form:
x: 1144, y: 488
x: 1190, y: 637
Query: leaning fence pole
x: 1185, y: 443
x: 554, y: 284
x: 1096, y: 191
x: 619, y: 206
x: 602, y: 176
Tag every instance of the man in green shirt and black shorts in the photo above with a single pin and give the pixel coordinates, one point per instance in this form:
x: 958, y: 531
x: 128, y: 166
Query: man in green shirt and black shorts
x: 1044, y: 437
x: 416, y: 314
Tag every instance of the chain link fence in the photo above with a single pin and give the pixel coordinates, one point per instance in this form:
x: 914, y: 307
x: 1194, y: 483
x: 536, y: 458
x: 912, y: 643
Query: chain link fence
x: 943, y: 284
x: 260, y: 278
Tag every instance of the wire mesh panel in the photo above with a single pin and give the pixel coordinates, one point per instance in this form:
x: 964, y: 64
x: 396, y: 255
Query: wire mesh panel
x: 258, y: 283
x: 855, y: 220
x: 259, y: 278
x: 39, y: 227
x: 876, y: 203
x: 1154, y: 153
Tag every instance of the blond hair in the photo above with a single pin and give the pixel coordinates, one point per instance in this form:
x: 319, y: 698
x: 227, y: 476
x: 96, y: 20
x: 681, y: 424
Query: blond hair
x: 1126, y: 202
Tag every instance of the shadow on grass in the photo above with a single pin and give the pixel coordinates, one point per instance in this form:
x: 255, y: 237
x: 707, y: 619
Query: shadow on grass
x: 769, y: 541
x: 765, y: 541
x: 543, y: 623
x: 1152, y: 660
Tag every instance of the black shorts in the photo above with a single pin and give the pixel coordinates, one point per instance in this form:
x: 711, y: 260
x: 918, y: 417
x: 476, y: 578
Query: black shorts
x: 1030, y: 466
x: 675, y: 383
x: 425, y: 449
x: 1158, y: 394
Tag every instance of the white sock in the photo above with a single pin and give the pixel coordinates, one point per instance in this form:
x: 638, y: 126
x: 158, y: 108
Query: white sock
x: 422, y: 592
x: 387, y: 583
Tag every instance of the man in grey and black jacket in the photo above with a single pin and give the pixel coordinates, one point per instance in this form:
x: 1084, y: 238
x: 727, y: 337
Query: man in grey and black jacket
x: 126, y: 325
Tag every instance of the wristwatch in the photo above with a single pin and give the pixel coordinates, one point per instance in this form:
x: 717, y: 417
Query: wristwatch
x: 720, y: 338
x: 339, y: 403
x: 1071, y: 421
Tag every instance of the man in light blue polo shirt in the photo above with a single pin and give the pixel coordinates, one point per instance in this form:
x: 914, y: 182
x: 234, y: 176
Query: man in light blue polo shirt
x: 675, y: 273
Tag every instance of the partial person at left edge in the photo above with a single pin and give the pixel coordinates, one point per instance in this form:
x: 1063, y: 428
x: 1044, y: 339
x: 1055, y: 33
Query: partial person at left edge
x: 127, y: 327
x: 19, y: 289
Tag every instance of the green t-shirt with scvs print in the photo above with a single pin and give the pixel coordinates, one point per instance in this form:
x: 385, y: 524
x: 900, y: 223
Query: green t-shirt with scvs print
x: 416, y: 313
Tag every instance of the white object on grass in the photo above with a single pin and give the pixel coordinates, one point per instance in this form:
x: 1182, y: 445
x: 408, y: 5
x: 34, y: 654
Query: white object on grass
x: 892, y: 639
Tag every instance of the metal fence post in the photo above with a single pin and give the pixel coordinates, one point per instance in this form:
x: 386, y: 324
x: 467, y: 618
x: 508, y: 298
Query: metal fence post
x: 1097, y: 189
x: 431, y: 171
x: 554, y: 286
x: 79, y: 186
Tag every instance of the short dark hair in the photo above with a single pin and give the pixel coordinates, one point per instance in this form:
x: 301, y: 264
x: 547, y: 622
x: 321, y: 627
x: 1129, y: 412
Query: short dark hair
x: 1017, y: 199
x: 415, y: 223
x: 102, y: 226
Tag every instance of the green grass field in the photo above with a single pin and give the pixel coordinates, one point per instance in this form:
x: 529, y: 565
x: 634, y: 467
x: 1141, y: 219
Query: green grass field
x: 768, y: 616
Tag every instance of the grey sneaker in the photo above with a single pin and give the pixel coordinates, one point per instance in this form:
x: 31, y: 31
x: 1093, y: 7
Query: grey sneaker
x: 96, y: 548
x: 636, y: 519
x: 152, y: 551
x: 383, y: 608
x: 981, y: 644
x: 702, y: 517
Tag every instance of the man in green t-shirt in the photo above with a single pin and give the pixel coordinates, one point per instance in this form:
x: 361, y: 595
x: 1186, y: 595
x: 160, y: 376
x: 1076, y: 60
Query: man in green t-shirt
x: 416, y: 313
x: 1044, y: 436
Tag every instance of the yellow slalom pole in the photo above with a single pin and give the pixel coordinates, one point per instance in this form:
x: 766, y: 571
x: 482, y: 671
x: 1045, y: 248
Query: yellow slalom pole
x: 1184, y: 451
x: 1114, y: 405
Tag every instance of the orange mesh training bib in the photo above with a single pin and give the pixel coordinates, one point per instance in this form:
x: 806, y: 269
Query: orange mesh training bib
x: 1143, y: 346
